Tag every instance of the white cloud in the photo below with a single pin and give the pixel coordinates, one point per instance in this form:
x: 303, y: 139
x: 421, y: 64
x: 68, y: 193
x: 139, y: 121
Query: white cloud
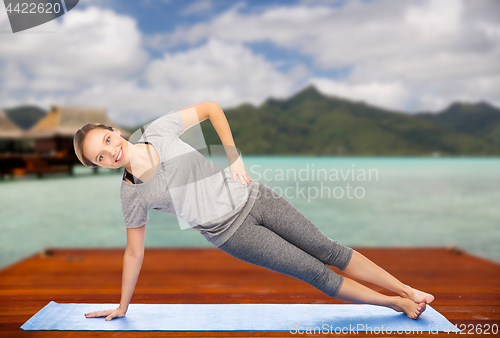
x: 377, y: 93
x: 90, y: 48
x: 198, y: 7
x: 423, y: 46
x: 87, y: 47
x: 414, y: 55
x: 473, y: 89
x: 435, y: 18
x: 96, y: 58
x: 225, y: 72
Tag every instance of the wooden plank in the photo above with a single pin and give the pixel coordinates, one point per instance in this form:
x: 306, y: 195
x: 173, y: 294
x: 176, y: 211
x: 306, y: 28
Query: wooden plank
x: 466, y: 287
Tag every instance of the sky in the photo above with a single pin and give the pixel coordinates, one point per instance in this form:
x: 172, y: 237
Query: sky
x: 141, y: 59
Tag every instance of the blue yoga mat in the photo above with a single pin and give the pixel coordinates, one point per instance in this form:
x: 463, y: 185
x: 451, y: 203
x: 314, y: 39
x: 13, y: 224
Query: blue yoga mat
x: 296, y: 318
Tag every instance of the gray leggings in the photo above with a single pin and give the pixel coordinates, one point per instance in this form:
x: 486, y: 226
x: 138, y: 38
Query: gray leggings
x: 277, y: 236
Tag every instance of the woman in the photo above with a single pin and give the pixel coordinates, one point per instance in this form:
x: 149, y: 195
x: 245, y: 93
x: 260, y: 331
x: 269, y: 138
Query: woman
x: 246, y: 219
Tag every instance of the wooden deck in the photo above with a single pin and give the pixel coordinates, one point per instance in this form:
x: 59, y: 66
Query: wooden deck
x: 466, y: 287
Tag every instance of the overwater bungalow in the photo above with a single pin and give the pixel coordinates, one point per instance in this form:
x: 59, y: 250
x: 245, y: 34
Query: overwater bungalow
x: 48, y: 146
x: 9, y: 132
x: 11, y: 145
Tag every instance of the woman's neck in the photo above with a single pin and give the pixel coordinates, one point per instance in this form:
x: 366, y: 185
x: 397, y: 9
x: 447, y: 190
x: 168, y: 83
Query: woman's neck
x: 143, y: 161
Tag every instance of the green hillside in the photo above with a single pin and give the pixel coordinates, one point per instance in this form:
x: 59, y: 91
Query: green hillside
x: 481, y: 120
x: 311, y: 123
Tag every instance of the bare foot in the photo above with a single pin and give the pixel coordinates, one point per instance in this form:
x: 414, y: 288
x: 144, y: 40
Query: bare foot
x: 411, y: 309
x: 416, y: 295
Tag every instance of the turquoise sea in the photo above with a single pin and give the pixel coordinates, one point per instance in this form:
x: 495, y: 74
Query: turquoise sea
x: 358, y: 201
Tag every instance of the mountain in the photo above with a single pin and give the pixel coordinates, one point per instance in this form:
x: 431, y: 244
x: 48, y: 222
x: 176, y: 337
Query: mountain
x: 480, y: 119
x: 310, y: 123
x: 25, y: 116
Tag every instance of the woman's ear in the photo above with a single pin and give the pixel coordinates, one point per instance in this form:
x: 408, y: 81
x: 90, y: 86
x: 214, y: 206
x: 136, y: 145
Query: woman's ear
x: 117, y: 131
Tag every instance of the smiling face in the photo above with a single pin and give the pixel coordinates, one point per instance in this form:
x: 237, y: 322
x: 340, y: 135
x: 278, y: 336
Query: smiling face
x: 106, y: 148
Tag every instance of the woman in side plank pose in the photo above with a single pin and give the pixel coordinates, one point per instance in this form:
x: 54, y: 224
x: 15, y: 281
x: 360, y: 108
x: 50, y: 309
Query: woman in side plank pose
x: 246, y: 219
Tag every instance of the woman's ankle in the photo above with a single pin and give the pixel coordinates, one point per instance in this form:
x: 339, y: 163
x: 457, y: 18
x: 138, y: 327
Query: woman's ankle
x: 394, y: 302
x: 405, y: 291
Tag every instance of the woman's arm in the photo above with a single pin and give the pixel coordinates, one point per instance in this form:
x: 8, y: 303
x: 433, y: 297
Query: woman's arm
x: 132, y: 262
x: 200, y: 112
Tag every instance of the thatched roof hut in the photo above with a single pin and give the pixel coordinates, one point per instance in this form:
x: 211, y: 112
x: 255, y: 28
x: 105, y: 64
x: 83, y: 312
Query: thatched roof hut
x: 8, y: 129
x: 64, y: 121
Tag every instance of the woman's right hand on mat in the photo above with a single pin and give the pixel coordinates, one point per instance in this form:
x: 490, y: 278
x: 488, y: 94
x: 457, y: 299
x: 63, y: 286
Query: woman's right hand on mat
x: 109, y: 314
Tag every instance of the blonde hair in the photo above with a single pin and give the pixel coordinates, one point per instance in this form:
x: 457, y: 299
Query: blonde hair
x: 80, y: 137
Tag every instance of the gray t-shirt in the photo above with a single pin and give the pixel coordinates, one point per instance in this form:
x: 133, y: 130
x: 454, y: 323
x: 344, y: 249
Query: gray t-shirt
x: 188, y: 185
